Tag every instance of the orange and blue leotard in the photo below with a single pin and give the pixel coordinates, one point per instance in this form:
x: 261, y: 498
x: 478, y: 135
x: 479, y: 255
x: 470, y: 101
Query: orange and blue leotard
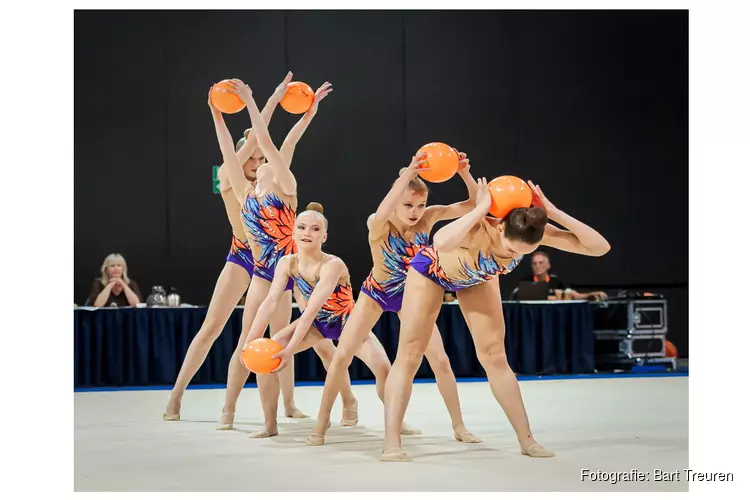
x: 391, y: 257
x: 331, y: 318
x: 239, y: 252
x: 269, y: 223
x: 467, y: 265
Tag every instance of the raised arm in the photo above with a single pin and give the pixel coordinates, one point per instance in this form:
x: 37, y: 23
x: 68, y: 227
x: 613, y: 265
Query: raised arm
x: 251, y: 142
x: 282, y: 175
x: 231, y: 163
x: 329, y: 278
x: 271, y: 302
x: 579, y: 238
x: 376, y: 223
x: 294, y: 135
x: 450, y: 236
x: 461, y: 208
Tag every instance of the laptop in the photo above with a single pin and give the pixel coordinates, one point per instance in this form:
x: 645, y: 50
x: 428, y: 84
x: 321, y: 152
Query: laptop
x: 533, y: 290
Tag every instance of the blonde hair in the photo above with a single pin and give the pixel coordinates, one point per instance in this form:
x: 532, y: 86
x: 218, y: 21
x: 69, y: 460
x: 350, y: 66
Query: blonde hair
x: 416, y: 184
x: 317, y: 208
x: 243, y: 140
x: 114, y: 258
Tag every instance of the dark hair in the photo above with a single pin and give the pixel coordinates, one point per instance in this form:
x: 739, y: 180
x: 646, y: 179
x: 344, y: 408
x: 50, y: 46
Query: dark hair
x: 416, y: 184
x: 525, y: 224
x: 542, y: 253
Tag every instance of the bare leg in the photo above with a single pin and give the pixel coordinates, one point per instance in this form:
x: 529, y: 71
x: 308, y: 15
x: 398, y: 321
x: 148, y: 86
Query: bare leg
x: 446, y: 382
x: 483, y: 312
x: 421, y: 306
x: 363, y: 317
x: 326, y: 351
x: 232, y: 283
x: 237, y: 373
x: 268, y: 385
x: 372, y: 353
x: 279, y: 320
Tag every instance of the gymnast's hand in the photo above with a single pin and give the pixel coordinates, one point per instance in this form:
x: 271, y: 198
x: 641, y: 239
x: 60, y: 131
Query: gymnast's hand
x: 320, y: 94
x: 539, y: 200
x: 240, y: 89
x: 280, y: 91
x: 215, y: 112
x: 484, y: 200
x: 285, y: 355
x: 463, y: 162
x: 416, y: 166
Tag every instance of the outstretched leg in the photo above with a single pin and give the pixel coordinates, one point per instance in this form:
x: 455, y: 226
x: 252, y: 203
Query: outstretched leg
x: 232, y: 283
x: 482, y: 309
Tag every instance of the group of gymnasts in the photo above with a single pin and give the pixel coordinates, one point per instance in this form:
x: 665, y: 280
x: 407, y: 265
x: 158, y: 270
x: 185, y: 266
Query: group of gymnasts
x: 276, y: 251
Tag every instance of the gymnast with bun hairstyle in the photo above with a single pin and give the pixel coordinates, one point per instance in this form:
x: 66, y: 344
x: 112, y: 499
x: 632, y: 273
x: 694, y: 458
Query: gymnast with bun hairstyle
x: 466, y: 257
x: 268, y: 205
x: 324, y: 294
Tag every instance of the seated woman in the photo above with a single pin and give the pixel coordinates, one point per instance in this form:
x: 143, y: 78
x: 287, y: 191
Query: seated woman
x: 114, y: 288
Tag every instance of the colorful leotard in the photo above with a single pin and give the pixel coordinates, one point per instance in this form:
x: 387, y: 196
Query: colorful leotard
x: 465, y: 266
x: 239, y: 252
x: 241, y: 255
x: 269, y: 223
x: 391, y: 255
x: 331, y: 318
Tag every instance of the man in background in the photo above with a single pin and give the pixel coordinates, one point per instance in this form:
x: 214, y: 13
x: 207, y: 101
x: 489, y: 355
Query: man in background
x: 540, y: 267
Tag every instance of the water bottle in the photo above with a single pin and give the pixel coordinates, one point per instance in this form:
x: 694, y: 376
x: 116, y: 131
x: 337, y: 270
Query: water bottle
x: 173, y: 300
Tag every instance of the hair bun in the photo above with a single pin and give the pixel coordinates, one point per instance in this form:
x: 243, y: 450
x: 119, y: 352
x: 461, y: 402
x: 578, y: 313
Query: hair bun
x: 315, y: 207
x: 535, y: 217
x: 401, y: 172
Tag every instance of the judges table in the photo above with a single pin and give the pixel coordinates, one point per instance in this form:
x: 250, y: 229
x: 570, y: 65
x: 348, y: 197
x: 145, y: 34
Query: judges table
x: 146, y: 346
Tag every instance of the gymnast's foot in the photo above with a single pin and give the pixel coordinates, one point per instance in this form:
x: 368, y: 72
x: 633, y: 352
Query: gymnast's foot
x: 172, y: 413
x: 531, y: 448
x: 226, y: 422
x: 409, y: 431
x: 394, y: 455
x: 269, y: 430
x: 462, y: 434
x: 318, y: 435
x: 350, y: 414
x: 291, y: 411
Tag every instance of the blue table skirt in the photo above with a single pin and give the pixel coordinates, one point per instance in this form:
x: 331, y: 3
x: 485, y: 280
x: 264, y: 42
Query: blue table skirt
x: 140, y: 346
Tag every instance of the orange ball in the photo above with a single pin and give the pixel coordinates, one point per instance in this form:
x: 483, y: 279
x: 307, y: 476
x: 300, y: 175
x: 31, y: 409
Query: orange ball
x: 670, y: 349
x: 224, y: 101
x: 257, y: 355
x: 442, y: 161
x: 298, y: 99
x: 508, y: 192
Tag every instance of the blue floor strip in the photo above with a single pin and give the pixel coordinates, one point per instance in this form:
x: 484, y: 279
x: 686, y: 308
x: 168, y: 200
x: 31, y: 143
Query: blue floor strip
x: 521, y: 378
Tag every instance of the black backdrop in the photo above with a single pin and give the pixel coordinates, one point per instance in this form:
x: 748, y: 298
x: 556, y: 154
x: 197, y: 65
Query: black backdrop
x: 592, y: 105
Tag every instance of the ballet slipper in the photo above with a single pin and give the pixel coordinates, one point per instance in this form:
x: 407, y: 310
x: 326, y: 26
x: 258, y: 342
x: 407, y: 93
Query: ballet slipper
x: 170, y: 417
x: 408, y: 431
x: 536, y: 450
x: 394, y: 455
x: 350, y: 422
x: 315, y: 439
x: 226, y: 422
x: 264, y: 434
x: 296, y: 413
x: 466, y: 437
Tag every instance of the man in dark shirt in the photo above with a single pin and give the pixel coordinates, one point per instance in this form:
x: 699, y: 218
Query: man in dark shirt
x: 540, y: 267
